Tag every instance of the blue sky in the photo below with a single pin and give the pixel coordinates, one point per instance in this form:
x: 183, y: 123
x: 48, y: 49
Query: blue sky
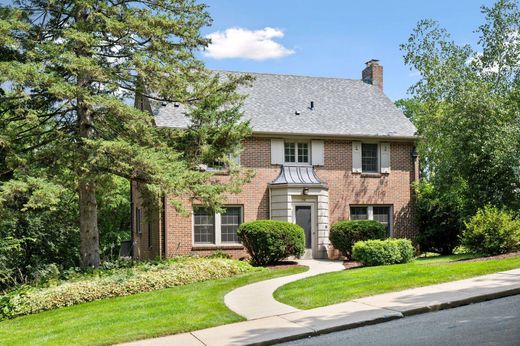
x: 331, y: 38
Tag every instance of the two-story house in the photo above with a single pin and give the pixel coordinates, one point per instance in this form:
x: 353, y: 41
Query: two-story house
x: 324, y: 150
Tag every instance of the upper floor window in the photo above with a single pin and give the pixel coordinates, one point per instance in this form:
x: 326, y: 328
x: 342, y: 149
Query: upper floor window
x: 296, y: 152
x: 369, y: 158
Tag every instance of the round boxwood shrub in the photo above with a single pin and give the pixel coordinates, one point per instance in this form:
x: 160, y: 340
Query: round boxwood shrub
x: 491, y: 232
x: 381, y: 252
x: 269, y: 241
x: 344, y: 234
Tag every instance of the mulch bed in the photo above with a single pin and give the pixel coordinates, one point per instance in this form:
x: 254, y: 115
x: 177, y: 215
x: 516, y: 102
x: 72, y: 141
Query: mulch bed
x: 284, y: 265
x: 352, y: 264
x: 480, y: 259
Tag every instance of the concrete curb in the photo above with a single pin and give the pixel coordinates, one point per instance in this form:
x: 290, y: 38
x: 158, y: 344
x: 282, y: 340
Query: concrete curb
x: 352, y: 314
x: 428, y: 309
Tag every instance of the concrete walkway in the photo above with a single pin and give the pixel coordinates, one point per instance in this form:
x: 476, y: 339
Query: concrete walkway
x: 256, y: 300
x: 352, y: 314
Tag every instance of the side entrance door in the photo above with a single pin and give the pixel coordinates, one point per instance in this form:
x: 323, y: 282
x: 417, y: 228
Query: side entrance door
x: 304, y: 219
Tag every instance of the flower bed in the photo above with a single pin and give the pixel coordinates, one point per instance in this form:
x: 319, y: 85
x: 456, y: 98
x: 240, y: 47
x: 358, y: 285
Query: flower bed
x: 121, y: 282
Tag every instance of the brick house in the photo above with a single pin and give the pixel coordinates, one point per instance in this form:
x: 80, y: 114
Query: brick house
x: 324, y: 149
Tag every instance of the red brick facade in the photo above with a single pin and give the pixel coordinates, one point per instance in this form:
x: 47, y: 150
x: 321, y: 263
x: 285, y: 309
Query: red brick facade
x: 345, y: 188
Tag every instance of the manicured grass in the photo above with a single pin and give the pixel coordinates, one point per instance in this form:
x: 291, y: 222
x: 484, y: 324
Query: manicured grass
x: 167, y: 311
x: 337, y: 287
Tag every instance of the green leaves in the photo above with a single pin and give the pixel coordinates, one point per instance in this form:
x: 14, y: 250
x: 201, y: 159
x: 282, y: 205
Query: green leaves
x: 465, y: 107
x: 69, y: 72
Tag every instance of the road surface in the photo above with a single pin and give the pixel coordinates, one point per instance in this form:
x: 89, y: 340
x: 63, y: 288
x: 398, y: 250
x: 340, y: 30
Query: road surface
x: 495, y: 322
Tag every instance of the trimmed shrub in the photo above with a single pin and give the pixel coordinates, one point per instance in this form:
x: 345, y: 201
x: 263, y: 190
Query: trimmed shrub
x: 269, y: 241
x: 145, y: 277
x: 382, y: 252
x: 491, y: 232
x: 344, y: 234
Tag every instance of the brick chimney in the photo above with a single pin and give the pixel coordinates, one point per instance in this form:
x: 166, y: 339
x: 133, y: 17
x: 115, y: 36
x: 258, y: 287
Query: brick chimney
x: 373, y: 74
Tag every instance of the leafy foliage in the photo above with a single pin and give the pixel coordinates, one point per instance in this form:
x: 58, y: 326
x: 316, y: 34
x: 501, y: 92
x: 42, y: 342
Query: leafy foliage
x: 491, y: 231
x: 269, y: 241
x: 382, y: 252
x: 344, y: 234
x: 466, y: 107
x: 438, y: 219
x: 121, y: 282
x: 69, y: 70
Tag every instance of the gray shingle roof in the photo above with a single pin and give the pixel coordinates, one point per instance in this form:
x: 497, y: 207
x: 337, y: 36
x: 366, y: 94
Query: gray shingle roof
x: 296, y: 175
x: 342, y: 107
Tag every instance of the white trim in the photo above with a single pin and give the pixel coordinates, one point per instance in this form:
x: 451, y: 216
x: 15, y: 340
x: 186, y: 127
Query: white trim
x: 370, y: 213
x: 378, y: 159
x: 296, y: 142
x: 217, y: 227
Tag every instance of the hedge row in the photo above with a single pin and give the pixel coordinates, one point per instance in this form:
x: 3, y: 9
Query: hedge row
x: 344, y: 234
x: 125, y: 282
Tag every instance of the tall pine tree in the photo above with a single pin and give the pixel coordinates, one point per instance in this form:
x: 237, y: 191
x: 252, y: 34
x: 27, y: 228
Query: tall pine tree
x: 68, y: 72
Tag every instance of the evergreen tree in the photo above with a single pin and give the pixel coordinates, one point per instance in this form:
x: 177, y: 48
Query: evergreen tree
x: 69, y: 70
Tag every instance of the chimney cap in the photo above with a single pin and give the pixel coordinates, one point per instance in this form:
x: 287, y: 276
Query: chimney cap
x: 372, y: 62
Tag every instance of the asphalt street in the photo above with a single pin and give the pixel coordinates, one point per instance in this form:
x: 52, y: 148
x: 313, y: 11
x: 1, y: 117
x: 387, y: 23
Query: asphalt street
x: 495, y: 322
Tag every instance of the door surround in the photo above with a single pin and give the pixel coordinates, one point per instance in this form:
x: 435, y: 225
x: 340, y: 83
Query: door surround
x: 314, y: 224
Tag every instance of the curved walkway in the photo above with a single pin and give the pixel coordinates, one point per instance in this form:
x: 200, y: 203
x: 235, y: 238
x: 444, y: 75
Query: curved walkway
x: 256, y: 300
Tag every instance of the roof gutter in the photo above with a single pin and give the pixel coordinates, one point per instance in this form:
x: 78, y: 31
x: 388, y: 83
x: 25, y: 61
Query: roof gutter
x: 329, y: 135
x: 317, y: 135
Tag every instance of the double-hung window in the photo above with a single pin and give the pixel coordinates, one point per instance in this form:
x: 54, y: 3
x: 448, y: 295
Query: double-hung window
x: 373, y: 212
x: 216, y: 228
x: 296, y: 152
x: 204, y: 226
x: 369, y: 158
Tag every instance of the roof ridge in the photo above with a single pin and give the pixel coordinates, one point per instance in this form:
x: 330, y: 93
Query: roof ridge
x: 290, y: 75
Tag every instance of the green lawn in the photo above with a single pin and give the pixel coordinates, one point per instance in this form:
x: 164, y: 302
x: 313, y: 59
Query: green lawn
x: 168, y: 311
x: 337, y: 287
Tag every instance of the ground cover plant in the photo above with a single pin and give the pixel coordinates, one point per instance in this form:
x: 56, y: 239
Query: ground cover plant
x: 102, y: 284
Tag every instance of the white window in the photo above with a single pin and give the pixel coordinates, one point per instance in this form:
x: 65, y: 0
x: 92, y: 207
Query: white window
x: 216, y: 228
x: 296, y: 152
x: 381, y: 213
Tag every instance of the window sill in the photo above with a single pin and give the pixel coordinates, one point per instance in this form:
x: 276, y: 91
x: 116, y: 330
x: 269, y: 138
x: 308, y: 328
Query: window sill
x: 217, y: 247
x: 371, y: 175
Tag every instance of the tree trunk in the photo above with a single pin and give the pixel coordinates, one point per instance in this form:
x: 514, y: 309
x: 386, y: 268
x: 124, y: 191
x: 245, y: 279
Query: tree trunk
x: 89, y: 234
x: 88, y: 229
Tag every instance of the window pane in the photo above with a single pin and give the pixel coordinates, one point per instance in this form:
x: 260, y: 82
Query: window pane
x: 369, y: 157
x: 358, y: 213
x: 204, y: 226
x: 303, y: 152
x: 230, y: 220
x: 290, y: 152
x: 382, y: 214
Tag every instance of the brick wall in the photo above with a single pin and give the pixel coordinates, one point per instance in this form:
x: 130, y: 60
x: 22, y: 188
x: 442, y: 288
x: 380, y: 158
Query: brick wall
x: 345, y: 188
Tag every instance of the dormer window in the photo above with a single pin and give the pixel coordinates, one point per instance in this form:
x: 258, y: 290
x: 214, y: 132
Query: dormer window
x: 296, y: 152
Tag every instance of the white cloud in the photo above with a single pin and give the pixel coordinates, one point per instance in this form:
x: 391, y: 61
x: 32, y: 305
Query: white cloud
x: 246, y: 44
